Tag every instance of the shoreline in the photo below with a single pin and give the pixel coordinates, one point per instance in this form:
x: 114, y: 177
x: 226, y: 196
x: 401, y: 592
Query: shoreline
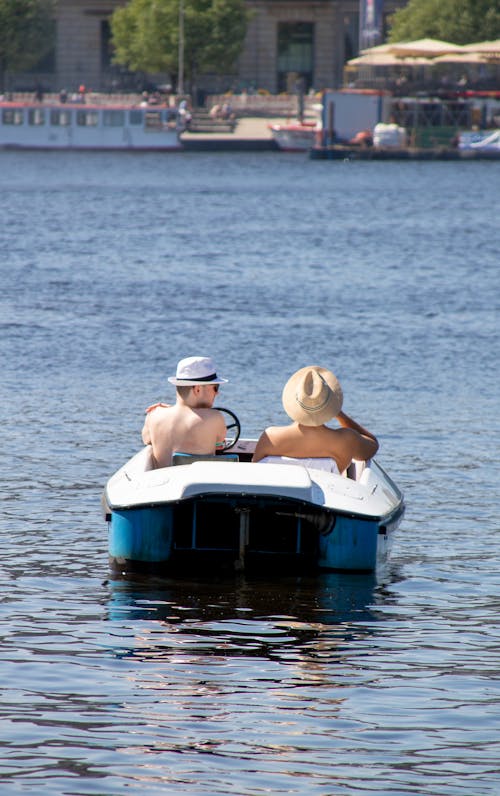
x: 251, y: 134
x: 339, y: 152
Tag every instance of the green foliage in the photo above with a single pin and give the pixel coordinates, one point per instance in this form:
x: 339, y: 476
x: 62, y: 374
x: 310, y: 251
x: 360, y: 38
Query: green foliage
x: 146, y: 35
x: 457, y: 21
x: 26, y: 33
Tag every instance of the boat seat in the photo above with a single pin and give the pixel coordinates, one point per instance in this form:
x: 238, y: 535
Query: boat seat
x: 315, y: 463
x: 355, y: 469
x: 189, y: 458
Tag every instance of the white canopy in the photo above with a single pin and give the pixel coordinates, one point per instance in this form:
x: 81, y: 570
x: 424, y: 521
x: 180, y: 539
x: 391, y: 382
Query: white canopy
x: 426, y: 52
x: 386, y: 59
x: 486, y: 47
x: 428, y: 48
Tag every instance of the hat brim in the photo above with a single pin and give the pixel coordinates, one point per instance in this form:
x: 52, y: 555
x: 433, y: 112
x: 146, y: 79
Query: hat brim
x: 305, y: 418
x: 193, y: 382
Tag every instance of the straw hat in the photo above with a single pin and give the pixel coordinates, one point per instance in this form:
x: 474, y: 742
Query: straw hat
x: 312, y: 396
x: 196, y: 370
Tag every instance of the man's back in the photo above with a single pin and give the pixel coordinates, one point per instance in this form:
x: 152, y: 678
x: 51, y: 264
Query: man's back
x: 183, y: 428
x: 190, y: 425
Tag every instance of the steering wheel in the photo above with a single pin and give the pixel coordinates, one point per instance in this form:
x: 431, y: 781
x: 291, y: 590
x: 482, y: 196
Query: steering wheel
x: 230, y: 441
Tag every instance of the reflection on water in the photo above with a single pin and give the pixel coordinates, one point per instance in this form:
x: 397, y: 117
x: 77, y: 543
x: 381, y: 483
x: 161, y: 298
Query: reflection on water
x: 295, y: 618
x: 242, y: 670
x: 329, y: 598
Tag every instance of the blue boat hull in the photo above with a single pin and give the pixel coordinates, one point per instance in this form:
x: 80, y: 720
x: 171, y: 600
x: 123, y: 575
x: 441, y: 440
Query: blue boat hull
x: 200, y: 533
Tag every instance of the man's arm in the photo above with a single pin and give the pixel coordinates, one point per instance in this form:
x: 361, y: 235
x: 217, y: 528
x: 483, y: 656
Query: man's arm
x: 146, y: 433
x: 221, y: 431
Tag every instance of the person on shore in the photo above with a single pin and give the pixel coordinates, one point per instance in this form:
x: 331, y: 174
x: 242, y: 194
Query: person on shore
x: 190, y: 425
x: 185, y: 114
x: 312, y: 397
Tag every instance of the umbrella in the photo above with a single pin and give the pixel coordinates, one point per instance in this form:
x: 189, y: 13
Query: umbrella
x: 429, y: 48
x: 461, y: 58
x: 370, y: 58
x: 485, y: 47
x: 489, y: 50
x: 380, y: 48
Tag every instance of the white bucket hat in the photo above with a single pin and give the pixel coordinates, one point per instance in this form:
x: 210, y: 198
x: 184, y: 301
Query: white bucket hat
x: 196, y: 370
x: 312, y: 396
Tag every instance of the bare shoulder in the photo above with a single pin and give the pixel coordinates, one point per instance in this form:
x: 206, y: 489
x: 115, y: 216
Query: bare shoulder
x: 160, y: 405
x: 207, y: 413
x: 276, y: 432
x: 212, y: 416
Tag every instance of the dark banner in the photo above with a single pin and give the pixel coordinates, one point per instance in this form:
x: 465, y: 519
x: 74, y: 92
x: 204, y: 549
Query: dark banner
x: 370, y: 23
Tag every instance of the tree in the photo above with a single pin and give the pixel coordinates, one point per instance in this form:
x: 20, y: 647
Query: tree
x: 145, y: 35
x: 26, y: 34
x: 457, y: 21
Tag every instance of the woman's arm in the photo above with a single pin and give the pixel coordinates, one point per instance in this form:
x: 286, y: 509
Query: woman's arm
x: 262, y: 448
x: 364, y: 444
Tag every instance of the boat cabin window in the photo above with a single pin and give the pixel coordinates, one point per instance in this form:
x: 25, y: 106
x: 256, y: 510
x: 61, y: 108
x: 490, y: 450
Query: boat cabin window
x: 153, y: 120
x: 36, y: 116
x: 87, y: 118
x: 12, y: 116
x: 135, y: 117
x: 60, y: 118
x: 113, y: 118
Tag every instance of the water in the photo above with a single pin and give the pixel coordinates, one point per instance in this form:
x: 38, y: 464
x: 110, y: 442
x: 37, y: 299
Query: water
x: 115, y: 266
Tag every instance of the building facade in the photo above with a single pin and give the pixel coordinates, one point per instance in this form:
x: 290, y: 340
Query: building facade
x: 288, y: 43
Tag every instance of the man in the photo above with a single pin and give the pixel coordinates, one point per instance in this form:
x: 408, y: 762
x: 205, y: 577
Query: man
x: 190, y: 425
x: 311, y: 398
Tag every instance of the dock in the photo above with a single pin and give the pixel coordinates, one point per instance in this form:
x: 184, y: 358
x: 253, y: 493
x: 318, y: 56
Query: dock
x: 250, y: 134
x: 341, y: 152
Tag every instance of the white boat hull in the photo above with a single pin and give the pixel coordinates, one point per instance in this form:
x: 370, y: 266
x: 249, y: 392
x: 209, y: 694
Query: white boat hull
x: 294, y: 137
x: 480, y: 141
x: 240, y: 515
x: 88, y: 127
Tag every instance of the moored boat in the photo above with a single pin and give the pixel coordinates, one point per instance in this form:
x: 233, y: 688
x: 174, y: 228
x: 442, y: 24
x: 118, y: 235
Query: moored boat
x: 480, y: 141
x: 294, y: 136
x: 35, y: 125
x: 224, y: 511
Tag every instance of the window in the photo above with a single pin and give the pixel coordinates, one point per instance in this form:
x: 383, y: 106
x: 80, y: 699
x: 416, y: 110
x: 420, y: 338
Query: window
x: 351, y: 36
x: 36, y: 116
x: 106, y: 45
x: 113, y: 118
x: 87, y: 118
x: 135, y: 117
x: 295, y: 55
x: 47, y: 63
x: 153, y: 120
x: 12, y: 116
x: 60, y: 118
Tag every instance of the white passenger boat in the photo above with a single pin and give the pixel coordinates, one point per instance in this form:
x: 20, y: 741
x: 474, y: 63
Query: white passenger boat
x: 35, y: 125
x: 223, y: 511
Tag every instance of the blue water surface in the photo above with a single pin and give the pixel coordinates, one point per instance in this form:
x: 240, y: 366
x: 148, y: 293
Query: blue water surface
x: 113, y: 266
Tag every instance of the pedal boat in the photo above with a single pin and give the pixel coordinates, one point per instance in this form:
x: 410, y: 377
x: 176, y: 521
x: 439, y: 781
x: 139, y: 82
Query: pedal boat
x: 205, y: 513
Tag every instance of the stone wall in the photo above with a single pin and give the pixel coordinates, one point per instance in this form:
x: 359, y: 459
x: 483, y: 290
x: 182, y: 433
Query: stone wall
x: 79, y: 41
x: 79, y: 44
